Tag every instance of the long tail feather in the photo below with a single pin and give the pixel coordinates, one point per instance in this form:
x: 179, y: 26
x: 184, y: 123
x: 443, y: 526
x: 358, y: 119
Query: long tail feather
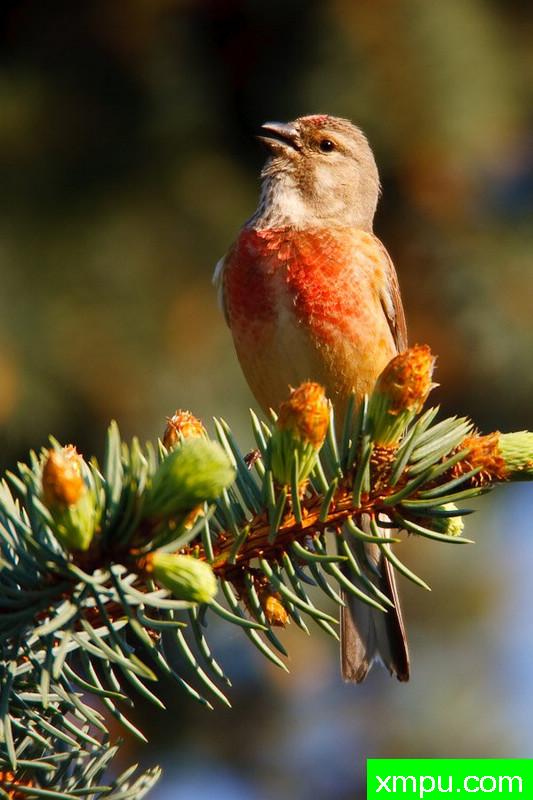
x: 369, y: 635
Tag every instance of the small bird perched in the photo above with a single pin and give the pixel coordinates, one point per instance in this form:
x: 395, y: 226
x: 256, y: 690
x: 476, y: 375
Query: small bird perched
x: 310, y: 293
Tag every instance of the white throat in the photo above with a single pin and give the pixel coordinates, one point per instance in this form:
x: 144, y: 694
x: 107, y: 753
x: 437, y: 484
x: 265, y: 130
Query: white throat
x: 281, y: 205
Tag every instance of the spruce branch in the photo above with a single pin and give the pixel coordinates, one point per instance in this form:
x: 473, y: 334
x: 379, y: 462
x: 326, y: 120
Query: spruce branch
x: 102, y: 565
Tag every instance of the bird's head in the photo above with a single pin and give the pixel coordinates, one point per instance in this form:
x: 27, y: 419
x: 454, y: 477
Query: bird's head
x: 321, y: 170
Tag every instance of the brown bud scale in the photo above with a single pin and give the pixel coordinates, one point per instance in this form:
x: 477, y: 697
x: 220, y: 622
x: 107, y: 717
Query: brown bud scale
x: 484, y: 454
x: 63, y: 484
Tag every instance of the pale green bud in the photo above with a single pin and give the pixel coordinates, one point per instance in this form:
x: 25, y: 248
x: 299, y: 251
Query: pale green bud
x: 516, y: 449
x: 186, y: 577
x: 451, y: 526
x: 74, y: 526
x: 194, y: 472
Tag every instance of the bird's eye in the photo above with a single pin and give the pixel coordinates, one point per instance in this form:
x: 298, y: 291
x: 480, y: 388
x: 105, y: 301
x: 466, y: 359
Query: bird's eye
x: 326, y: 145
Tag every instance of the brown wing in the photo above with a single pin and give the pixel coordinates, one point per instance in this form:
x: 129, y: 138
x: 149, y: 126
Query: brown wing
x: 366, y: 633
x: 218, y: 280
x: 391, y: 301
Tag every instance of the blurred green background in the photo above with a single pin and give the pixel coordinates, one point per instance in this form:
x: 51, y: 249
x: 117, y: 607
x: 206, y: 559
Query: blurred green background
x: 128, y: 162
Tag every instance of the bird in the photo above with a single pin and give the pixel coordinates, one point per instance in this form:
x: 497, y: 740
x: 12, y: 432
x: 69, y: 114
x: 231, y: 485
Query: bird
x: 310, y: 293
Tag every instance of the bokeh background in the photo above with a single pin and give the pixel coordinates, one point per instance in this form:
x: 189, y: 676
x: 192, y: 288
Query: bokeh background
x: 128, y: 162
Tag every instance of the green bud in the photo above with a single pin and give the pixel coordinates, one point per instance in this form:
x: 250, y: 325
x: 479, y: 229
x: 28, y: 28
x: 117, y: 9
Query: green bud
x: 451, y: 526
x: 194, y: 472
x: 74, y: 526
x: 516, y: 449
x: 400, y: 393
x: 65, y: 494
x: 186, y: 577
x: 300, y: 431
x: 284, y: 448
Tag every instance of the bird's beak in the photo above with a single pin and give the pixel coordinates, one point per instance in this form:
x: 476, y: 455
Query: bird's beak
x: 280, y: 137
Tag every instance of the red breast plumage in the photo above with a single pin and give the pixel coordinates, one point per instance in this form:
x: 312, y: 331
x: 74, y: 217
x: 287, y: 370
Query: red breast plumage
x: 304, y: 304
